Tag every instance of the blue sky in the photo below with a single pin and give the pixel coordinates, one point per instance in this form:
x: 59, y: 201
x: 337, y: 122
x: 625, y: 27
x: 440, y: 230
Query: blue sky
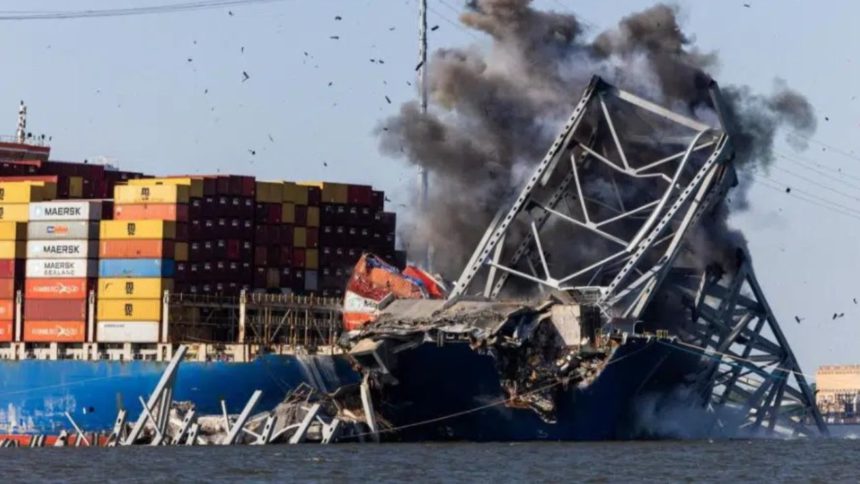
x: 125, y: 88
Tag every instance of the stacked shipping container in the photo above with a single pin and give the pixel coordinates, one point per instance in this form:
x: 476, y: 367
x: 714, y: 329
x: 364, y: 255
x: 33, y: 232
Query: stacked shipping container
x: 62, y: 251
x: 15, y: 198
x: 138, y: 260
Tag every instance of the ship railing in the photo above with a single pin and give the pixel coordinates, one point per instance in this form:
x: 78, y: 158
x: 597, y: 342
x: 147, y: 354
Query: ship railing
x: 33, y: 141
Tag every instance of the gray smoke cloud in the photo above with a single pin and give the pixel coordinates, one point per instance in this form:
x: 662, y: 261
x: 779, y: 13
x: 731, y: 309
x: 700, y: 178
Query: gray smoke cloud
x: 496, y: 108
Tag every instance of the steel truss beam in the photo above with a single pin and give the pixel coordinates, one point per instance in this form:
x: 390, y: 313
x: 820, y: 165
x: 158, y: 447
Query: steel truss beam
x: 640, y: 238
x: 750, y: 369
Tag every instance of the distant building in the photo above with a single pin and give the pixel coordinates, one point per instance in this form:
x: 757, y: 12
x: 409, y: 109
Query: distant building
x: 838, y: 392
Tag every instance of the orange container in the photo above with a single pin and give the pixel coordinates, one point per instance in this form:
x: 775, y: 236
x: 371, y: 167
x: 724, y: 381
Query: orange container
x: 67, y: 288
x: 7, y: 288
x: 6, y: 328
x: 55, y: 309
x: 136, y: 249
x: 177, y: 212
x: 7, y: 309
x: 54, y: 331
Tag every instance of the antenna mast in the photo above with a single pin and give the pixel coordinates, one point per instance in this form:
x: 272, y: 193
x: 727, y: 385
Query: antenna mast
x: 21, y: 133
x: 422, y: 81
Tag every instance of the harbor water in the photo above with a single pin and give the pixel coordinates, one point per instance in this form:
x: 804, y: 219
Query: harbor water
x: 833, y: 460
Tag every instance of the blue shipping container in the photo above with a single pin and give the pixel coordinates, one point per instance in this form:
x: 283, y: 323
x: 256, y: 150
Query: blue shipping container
x: 136, y: 267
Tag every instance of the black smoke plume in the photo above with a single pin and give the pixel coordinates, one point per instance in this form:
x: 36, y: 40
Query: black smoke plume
x: 496, y: 108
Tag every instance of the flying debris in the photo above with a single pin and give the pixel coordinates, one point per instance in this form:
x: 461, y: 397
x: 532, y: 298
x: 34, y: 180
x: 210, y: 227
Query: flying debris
x: 855, y: 300
x: 245, y: 76
x: 271, y: 139
x: 325, y: 164
x: 334, y: 37
x: 388, y: 99
x: 435, y: 28
x: 419, y: 65
x: 253, y: 152
x: 838, y: 315
x: 798, y: 319
x: 242, y: 49
x: 189, y: 59
x: 391, y: 29
x: 387, y: 199
x: 787, y: 189
x: 373, y: 61
x: 747, y: 5
x: 330, y: 83
x: 206, y: 91
x: 338, y: 17
x: 230, y: 13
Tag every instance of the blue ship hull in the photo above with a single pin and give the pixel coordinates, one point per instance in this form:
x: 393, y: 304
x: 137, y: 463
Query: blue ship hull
x: 639, y: 394
x: 34, y: 395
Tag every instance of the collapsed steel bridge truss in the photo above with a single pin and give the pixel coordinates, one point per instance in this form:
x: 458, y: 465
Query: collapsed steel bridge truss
x: 604, y: 217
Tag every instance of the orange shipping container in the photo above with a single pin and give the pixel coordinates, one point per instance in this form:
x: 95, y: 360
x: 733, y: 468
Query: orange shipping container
x: 137, y: 249
x: 6, y: 328
x: 60, y: 288
x: 151, y: 211
x: 54, y: 331
x: 7, y: 309
x: 7, y: 288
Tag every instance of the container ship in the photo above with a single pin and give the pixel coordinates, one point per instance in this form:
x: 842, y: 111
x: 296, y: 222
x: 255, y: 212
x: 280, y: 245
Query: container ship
x: 103, y: 273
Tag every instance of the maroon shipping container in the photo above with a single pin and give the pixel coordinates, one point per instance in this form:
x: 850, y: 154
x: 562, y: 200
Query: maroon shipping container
x: 55, y: 309
x: 301, y: 217
x: 298, y: 258
x: 260, y: 255
x: 312, y: 237
x: 286, y: 256
x: 182, y: 271
x: 377, y: 203
x: 314, y: 196
x: 361, y: 195
x: 259, y: 277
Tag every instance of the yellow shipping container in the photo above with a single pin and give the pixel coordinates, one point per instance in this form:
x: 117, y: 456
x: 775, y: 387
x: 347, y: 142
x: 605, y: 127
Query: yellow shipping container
x: 129, y: 310
x: 295, y: 193
x: 10, y: 249
x: 180, y: 251
x: 76, y: 187
x: 151, y: 193
x: 288, y: 213
x: 26, y: 191
x: 312, y: 259
x: 133, y: 288
x: 313, y: 216
x: 270, y: 192
x: 13, y: 231
x: 335, y: 193
x: 137, y: 229
x: 15, y: 212
x: 195, y: 185
x: 300, y: 237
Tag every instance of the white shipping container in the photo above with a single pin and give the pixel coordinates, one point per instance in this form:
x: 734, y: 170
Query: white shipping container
x: 62, y: 249
x: 63, y: 230
x: 67, y: 210
x: 127, y: 331
x: 43, y: 268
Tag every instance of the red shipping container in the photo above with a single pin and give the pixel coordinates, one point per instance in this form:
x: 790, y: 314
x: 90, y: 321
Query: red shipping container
x: 233, y: 249
x: 298, y: 258
x: 7, y: 288
x: 222, y: 185
x: 11, y: 268
x: 55, y: 309
x: 54, y: 331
